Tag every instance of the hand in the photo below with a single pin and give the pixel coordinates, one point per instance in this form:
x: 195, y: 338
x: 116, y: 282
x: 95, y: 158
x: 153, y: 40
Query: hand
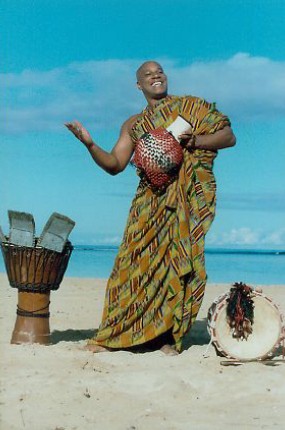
x: 187, y: 139
x: 80, y: 132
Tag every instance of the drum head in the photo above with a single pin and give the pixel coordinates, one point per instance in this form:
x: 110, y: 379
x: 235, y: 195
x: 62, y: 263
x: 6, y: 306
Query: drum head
x: 265, y: 336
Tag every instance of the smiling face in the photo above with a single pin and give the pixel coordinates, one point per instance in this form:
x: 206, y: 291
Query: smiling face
x: 152, y: 81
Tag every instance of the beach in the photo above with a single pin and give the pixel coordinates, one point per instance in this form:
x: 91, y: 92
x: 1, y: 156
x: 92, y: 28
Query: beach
x: 64, y: 387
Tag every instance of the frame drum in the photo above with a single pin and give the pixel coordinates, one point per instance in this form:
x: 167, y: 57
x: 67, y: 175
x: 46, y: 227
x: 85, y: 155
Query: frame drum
x: 267, y: 329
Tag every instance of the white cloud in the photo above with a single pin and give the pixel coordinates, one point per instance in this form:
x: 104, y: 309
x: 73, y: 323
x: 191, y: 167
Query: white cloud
x: 245, y: 87
x: 98, y: 93
x: 98, y: 240
x: 103, y: 93
x: 241, y: 236
x: 274, y: 237
x: 245, y: 236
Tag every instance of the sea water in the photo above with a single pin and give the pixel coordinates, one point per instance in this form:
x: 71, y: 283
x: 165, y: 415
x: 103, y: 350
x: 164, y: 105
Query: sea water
x: 222, y: 265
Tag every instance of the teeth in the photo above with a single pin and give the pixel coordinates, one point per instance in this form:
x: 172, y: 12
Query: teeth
x: 156, y: 84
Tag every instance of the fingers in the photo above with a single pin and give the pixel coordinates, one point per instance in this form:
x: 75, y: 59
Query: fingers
x: 73, y: 124
x: 75, y: 127
x: 188, y: 142
x: 69, y: 126
x: 185, y: 136
x: 77, y: 124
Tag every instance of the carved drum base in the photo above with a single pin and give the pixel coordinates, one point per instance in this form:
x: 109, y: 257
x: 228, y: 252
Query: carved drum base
x: 32, y: 322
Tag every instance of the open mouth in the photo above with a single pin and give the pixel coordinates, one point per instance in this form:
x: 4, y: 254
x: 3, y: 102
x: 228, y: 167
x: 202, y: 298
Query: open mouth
x: 156, y: 84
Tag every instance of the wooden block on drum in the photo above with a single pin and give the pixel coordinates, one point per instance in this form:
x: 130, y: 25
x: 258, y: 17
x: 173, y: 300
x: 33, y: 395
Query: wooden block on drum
x: 56, y: 232
x: 22, y: 228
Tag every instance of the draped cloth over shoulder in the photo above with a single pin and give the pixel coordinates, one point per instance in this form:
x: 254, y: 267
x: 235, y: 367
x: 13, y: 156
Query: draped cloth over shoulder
x: 158, y: 279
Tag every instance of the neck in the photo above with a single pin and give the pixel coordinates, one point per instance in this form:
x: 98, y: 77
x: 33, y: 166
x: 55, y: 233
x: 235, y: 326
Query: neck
x: 153, y: 101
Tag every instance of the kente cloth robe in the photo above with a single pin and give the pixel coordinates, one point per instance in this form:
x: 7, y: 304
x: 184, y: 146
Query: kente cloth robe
x: 158, y: 279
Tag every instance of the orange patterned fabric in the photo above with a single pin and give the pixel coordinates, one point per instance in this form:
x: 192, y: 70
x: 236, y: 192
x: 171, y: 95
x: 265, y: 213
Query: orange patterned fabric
x: 158, y: 280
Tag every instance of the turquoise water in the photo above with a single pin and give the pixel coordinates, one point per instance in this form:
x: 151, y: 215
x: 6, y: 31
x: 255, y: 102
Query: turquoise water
x: 262, y: 267
x: 223, y: 265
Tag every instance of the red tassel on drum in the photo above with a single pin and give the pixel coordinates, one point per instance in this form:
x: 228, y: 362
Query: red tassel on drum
x: 240, y: 310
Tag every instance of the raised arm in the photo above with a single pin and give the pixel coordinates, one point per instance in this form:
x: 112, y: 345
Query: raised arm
x: 112, y: 162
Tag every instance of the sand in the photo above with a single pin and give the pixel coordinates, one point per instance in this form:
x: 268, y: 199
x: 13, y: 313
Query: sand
x: 64, y: 387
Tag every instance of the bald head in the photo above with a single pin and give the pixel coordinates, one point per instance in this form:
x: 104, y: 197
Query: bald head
x: 152, y: 81
x: 145, y: 66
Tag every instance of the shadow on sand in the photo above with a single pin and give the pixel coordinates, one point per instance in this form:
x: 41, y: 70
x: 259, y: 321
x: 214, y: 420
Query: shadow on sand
x: 198, y: 335
x: 71, y: 335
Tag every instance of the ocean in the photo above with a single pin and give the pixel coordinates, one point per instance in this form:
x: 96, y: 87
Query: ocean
x: 222, y: 265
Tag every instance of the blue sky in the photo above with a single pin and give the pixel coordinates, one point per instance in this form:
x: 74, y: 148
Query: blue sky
x: 62, y: 60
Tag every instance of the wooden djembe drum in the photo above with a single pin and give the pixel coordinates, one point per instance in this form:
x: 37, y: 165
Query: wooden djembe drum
x: 34, y: 271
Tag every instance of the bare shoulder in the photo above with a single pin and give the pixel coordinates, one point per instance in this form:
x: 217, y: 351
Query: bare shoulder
x: 125, y: 139
x: 129, y: 123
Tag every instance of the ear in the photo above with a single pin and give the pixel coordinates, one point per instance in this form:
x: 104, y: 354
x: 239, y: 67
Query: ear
x: 139, y: 86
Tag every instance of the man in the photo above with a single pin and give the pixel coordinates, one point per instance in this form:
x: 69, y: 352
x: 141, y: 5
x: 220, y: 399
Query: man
x: 157, y: 284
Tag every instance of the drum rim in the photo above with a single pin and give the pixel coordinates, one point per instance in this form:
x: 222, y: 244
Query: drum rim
x: 6, y: 244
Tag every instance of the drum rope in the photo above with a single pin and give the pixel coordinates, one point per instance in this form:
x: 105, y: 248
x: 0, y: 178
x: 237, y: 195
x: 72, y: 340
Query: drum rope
x: 25, y: 313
